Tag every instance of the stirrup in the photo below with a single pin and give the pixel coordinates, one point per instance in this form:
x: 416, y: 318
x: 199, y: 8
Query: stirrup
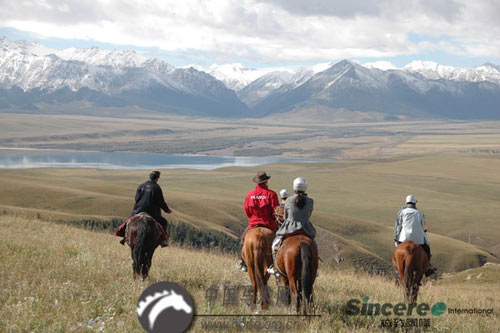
x: 273, y: 271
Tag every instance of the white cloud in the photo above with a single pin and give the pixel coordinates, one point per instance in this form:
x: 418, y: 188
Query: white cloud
x: 269, y: 31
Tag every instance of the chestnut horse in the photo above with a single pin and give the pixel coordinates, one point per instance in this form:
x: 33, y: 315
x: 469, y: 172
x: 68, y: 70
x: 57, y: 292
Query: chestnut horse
x: 297, y: 261
x: 143, y: 237
x: 258, y: 257
x: 411, y: 261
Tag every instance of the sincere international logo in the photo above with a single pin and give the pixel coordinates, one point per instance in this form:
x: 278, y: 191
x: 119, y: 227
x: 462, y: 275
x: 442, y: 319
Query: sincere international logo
x: 165, y: 307
x: 438, y: 309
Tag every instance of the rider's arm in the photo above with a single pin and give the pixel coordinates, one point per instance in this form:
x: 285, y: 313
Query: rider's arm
x: 162, y: 203
x: 274, y: 204
x: 138, y: 193
x: 398, y: 226
x: 247, y: 208
x: 312, y: 207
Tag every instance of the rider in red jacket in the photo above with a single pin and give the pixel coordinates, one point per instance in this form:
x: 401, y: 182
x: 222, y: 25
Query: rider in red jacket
x: 260, y: 204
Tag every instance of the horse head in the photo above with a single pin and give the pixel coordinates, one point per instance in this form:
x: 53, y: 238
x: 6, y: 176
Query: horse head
x: 179, y: 303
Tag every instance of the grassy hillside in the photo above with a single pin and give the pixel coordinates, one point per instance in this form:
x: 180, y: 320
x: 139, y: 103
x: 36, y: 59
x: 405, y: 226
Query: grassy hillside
x: 355, y: 202
x: 55, y: 278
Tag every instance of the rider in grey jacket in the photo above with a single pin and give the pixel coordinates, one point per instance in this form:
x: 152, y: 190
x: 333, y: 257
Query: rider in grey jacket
x: 410, y: 226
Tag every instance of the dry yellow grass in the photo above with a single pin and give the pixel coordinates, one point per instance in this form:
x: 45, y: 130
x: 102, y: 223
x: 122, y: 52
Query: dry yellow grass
x: 55, y: 278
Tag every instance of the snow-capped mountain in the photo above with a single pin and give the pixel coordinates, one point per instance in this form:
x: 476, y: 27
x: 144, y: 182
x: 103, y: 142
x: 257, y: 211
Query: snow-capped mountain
x: 33, y: 76
x: 435, y: 71
x: 278, y: 81
x: 350, y: 86
x: 109, y: 78
x: 235, y: 76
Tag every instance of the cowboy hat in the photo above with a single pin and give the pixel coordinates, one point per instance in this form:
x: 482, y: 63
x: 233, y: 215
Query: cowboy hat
x: 261, y: 177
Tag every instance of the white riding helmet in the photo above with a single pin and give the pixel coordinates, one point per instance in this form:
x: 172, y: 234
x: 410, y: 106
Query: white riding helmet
x: 411, y: 199
x: 284, y: 193
x: 300, y: 184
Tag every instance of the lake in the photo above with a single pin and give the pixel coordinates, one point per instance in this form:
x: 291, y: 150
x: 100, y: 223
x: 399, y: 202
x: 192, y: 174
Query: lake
x: 17, y: 158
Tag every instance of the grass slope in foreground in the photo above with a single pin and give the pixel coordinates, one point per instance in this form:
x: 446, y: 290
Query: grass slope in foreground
x: 56, y: 278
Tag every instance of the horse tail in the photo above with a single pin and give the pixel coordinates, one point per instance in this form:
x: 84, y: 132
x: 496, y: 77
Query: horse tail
x: 140, y: 247
x: 306, y: 276
x: 409, y: 270
x: 259, y: 266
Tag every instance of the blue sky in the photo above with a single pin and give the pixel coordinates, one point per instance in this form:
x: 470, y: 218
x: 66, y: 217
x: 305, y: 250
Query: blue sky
x: 267, y: 33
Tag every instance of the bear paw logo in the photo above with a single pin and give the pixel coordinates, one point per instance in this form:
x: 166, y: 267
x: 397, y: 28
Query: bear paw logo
x: 165, y: 307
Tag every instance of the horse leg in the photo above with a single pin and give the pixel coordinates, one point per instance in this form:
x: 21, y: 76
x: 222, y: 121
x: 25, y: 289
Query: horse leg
x: 292, y: 283
x: 299, y: 294
x: 287, y: 290
x: 416, y: 287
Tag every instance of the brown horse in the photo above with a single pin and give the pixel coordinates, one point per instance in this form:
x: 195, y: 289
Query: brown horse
x: 297, y: 261
x: 411, y: 261
x: 143, y: 237
x: 258, y: 257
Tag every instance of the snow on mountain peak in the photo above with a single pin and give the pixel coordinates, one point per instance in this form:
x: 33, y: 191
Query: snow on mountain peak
x: 234, y: 75
x: 434, y: 71
x: 97, y: 56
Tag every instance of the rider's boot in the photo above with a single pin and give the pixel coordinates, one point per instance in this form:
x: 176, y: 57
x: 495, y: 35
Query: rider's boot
x: 123, y: 241
x: 241, y: 265
x: 431, y: 270
x: 164, y: 241
x: 271, y: 269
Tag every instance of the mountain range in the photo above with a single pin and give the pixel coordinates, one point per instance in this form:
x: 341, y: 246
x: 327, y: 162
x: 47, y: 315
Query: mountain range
x: 34, y: 77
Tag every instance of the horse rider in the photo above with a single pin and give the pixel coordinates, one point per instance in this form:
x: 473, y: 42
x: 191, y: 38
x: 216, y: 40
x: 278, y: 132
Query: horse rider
x: 260, y: 204
x: 149, y: 199
x: 298, y: 210
x: 410, y: 226
x: 279, y: 212
x: 283, y: 195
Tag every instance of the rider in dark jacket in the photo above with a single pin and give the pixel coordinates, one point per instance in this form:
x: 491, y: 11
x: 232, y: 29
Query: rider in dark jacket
x: 149, y: 199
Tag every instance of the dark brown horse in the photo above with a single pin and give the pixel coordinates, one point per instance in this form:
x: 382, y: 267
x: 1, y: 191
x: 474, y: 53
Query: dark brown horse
x: 297, y: 261
x: 411, y: 261
x: 143, y: 237
x: 258, y: 257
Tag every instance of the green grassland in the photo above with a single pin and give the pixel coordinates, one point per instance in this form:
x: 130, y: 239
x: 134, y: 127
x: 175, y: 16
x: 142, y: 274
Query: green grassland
x: 355, y: 202
x: 55, y: 278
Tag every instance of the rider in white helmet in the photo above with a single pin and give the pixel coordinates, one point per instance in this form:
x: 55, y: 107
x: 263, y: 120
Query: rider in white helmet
x: 298, y: 210
x: 410, y: 226
x: 283, y: 195
x: 279, y: 212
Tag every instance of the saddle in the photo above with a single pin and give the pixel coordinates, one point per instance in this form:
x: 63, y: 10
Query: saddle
x: 262, y: 226
x: 121, y: 231
x: 280, y: 244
